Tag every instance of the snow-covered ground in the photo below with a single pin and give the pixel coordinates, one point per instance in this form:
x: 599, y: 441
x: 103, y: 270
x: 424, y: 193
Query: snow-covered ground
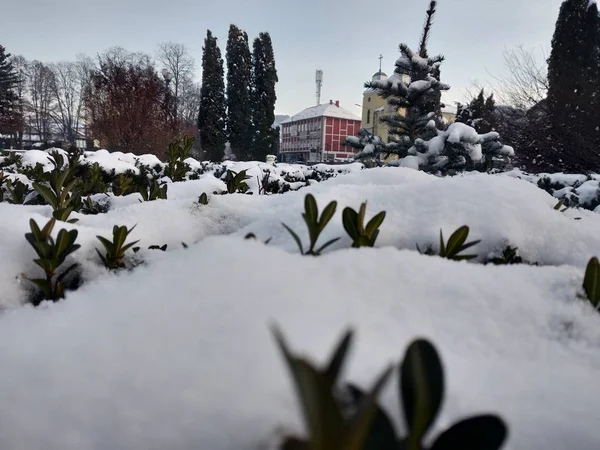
x: 177, y: 353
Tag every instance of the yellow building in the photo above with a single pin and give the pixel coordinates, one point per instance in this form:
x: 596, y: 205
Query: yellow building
x: 373, y: 107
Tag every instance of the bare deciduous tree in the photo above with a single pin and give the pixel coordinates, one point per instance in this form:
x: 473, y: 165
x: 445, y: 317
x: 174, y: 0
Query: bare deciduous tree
x: 177, y: 60
x: 189, y: 102
x: 524, y: 84
x: 40, y: 81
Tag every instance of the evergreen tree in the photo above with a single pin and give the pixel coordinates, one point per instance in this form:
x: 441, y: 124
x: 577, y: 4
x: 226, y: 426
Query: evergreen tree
x: 264, y: 77
x: 211, y: 118
x: 9, y: 102
x: 239, y: 82
x: 574, y: 85
x: 479, y: 113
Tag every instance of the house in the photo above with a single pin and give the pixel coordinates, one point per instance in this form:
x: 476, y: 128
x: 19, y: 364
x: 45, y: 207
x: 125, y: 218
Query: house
x: 319, y: 134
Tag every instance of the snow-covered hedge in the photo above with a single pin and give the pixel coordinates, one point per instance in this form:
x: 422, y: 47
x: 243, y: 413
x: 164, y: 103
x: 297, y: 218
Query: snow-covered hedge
x: 177, y: 352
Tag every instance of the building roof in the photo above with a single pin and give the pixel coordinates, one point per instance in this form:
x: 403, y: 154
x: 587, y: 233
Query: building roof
x: 326, y: 109
x: 379, y: 76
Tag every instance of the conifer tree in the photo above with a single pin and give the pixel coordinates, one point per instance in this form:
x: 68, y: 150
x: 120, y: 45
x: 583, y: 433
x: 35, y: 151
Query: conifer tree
x: 9, y: 108
x: 239, y: 83
x: 211, y: 118
x: 479, y: 113
x: 573, y: 85
x: 264, y: 77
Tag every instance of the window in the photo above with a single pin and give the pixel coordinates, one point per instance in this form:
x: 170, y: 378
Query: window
x: 368, y: 116
x: 368, y: 99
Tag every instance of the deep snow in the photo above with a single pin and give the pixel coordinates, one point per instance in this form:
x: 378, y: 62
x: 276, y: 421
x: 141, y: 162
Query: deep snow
x: 177, y: 354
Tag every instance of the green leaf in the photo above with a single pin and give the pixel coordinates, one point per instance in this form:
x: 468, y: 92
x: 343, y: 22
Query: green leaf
x: 361, y: 217
x: 45, y: 264
x: 128, y: 246
x: 361, y: 423
x: 456, y: 240
x: 322, y: 415
x: 591, y: 282
x: 421, y: 388
x: 310, y: 208
x: 382, y: 434
x: 486, y: 432
x: 327, y: 214
x: 296, y: 238
x: 68, y: 270
x: 442, y: 245
x: 48, y: 195
x: 338, y: 357
x: 374, y: 224
x: 108, y: 245
x: 350, y: 220
x: 43, y: 284
x: 325, y: 245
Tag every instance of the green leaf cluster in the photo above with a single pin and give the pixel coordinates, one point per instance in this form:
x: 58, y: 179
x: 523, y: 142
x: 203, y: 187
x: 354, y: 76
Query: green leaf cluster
x: 91, y: 182
x: 51, y: 254
x: 59, y: 194
x: 362, y: 236
x: 315, y: 225
x: 366, y: 426
x: 17, y: 192
x: 123, y: 185
x: 115, y: 250
x: 457, y: 243
x: 509, y: 256
x: 203, y: 199
x: 153, y: 192
x: 235, y: 181
x: 177, y: 153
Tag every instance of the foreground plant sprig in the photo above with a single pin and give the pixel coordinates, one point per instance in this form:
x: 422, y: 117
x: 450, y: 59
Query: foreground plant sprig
x: 362, y: 236
x: 591, y: 282
x: 315, y: 225
x: 365, y: 425
x: 115, y: 249
x: 51, y: 254
x: 457, y: 243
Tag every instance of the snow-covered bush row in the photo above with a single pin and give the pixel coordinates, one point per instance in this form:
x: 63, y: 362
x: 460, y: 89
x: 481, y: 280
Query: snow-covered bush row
x: 576, y: 190
x: 159, y: 356
x: 274, y: 178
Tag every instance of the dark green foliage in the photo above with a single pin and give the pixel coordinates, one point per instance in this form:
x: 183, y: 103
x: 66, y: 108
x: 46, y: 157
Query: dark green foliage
x: 123, y: 185
x: 177, y: 153
x: 154, y: 192
x: 36, y: 173
x: 591, y: 282
x: 509, y: 256
x: 560, y: 204
x: 203, y: 199
x: 162, y: 248
x: 93, y: 208
x: 59, y: 193
x: 51, y: 254
x: 479, y: 113
x: 264, y: 78
x: 354, y: 225
x: 115, y: 250
x: 17, y: 192
x: 364, y: 425
x: 3, y: 179
x: 91, y: 181
x: 235, y: 181
x: 212, y: 115
x: 315, y: 225
x: 327, y: 425
x: 455, y: 245
x: 573, y: 86
x: 10, y: 111
x: 239, y: 82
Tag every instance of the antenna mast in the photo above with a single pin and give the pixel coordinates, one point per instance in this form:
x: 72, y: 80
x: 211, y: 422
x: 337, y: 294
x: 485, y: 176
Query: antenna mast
x: 319, y: 81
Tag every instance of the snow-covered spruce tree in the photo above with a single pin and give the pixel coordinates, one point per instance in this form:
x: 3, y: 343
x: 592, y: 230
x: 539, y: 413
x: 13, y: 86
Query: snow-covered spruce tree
x: 9, y: 102
x: 414, y: 91
x: 264, y: 78
x: 211, y: 117
x: 239, y: 83
x: 574, y: 87
x: 479, y: 113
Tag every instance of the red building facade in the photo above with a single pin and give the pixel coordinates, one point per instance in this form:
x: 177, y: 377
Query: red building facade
x: 319, y: 134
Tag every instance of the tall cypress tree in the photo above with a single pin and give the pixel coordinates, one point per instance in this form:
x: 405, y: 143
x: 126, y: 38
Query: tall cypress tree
x: 264, y: 78
x: 573, y: 84
x: 239, y: 82
x: 211, y: 118
x: 9, y: 107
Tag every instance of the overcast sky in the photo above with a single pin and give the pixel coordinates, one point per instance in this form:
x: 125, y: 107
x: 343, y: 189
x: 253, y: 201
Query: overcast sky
x: 342, y: 37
